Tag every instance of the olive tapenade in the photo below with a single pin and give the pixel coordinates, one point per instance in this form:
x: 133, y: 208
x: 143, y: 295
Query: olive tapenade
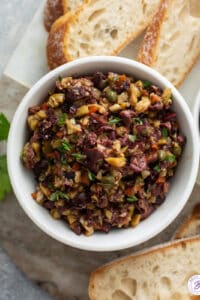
x: 103, y: 149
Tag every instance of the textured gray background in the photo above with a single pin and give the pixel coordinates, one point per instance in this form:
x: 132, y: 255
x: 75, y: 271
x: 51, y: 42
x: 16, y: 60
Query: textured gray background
x: 61, y: 270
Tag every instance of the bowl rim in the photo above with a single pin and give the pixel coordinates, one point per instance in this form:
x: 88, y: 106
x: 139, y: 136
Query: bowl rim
x: 196, y: 112
x: 12, y: 135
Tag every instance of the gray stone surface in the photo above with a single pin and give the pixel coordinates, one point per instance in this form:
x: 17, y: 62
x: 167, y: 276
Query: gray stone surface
x: 14, y: 285
x: 61, y: 270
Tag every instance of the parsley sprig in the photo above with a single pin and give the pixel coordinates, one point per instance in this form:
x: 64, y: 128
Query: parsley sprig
x: 5, y: 186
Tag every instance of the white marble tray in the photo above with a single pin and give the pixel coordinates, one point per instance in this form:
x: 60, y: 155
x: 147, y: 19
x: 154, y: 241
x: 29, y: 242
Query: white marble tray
x: 28, y: 63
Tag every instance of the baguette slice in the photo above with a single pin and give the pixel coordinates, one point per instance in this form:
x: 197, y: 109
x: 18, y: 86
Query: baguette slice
x: 172, y: 42
x: 160, y: 273
x: 98, y: 28
x: 191, y: 226
x: 56, y: 8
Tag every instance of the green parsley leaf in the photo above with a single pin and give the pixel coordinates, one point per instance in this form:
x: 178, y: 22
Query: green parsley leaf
x: 164, y: 132
x: 66, y: 146
x: 91, y: 176
x: 137, y: 121
x: 114, y: 120
x: 146, y: 83
x: 5, y: 186
x: 59, y: 78
x: 78, y: 156
x: 132, y: 138
x: 170, y: 158
x: 132, y: 199
x: 4, y: 127
x: 157, y: 168
x: 62, y: 118
x: 58, y: 195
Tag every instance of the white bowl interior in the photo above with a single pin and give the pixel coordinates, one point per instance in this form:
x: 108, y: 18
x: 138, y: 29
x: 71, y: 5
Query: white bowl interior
x: 24, y: 184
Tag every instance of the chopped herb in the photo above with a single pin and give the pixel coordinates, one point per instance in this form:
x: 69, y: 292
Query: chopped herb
x: 4, y: 127
x: 91, y: 176
x: 62, y: 118
x: 132, y: 138
x: 132, y: 199
x: 66, y: 146
x: 5, y: 186
x: 114, y: 120
x: 78, y: 156
x: 63, y: 159
x: 170, y: 158
x: 157, y: 168
x: 164, y: 132
x: 138, y: 121
x: 59, y: 78
x: 58, y: 195
x: 146, y: 84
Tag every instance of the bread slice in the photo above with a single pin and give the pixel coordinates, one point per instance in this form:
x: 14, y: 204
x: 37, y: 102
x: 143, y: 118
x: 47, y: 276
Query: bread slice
x: 172, y: 42
x: 56, y: 8
x: 160, y: 273
x: 98, y: 28
x: 191, y: 225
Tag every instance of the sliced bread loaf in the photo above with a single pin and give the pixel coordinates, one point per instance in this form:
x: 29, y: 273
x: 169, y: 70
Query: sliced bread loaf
x: 172, y: 42
x: 160, y: 273
x: 56, y: 8
x: 98, y: 28
x: 191, y: 226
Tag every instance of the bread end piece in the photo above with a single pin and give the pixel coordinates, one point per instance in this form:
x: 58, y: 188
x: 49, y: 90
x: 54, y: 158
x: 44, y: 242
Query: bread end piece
x: 191, y: 225
x: 53, y: 10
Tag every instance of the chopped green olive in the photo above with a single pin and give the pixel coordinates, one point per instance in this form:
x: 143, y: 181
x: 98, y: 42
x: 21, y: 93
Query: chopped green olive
x: 132, y: 199
x: 177, y: 150
x: 110, y: 94
x: 108, y: 179
x: 132, y: 138
x: 161, y: 154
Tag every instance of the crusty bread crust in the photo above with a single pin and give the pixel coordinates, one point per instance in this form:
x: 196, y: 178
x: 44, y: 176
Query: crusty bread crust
x: 55, y: 45
x: 53, y: 10
x: 148, y: 50
x: 161, y: 248
x: 195, y: 215
x: 62, y: 55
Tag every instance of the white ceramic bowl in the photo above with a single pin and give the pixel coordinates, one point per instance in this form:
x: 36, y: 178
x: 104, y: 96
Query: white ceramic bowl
x: 23, y: 182
x: 196, y: 112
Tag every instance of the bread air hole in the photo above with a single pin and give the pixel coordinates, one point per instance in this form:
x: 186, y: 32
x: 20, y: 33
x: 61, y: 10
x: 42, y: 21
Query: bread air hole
x: 144, y: 7
x: 166, y: 282
x: 130, y: 285
x: 120, y: 295
x: 114, y: 34
x: 96, y: 14
x: 155, y: 269
x: 84, y: 46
